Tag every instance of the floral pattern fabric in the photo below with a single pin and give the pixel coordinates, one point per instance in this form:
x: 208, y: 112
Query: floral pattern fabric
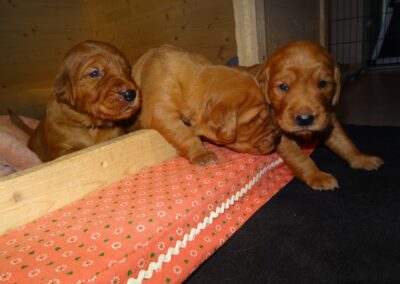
x: 116, y: 232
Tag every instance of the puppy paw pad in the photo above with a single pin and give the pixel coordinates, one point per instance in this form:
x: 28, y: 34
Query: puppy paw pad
x: 204, y: 159
x: 322, y: 181
x: 366, y: 162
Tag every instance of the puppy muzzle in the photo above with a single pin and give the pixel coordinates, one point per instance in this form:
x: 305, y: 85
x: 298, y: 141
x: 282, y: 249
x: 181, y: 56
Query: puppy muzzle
x: 129, y: 95
x: 304, y: 119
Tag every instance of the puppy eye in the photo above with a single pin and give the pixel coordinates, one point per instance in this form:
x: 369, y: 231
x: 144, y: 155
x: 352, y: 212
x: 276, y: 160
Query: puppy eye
x: 283, y: 87
x: 95, y: 74
x: 322, y: 84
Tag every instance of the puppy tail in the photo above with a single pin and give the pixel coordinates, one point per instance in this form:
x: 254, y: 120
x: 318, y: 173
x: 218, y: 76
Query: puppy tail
x: 17, y: 120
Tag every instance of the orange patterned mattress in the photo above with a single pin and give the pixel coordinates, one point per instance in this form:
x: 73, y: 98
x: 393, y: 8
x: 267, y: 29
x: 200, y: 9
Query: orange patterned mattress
x: 156, y: 226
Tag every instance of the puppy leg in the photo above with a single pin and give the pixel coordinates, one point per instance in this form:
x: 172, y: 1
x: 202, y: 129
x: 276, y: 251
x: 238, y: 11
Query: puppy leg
x: 340, y: 144
x: 303, y: 167
x: 170, y: 125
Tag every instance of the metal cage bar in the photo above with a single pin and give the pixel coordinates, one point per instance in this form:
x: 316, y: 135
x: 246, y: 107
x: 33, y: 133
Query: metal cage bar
x: 364, y: 33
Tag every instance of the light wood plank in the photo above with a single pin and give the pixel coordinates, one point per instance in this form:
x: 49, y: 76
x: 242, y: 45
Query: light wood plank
x: 250, y: 31
x: 30, y: 194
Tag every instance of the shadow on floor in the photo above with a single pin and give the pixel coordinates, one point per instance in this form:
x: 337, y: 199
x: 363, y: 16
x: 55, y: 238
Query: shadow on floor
x: 371, y: 98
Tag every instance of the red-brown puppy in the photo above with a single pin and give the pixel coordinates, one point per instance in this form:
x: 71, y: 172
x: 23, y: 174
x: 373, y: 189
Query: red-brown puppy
x: 186, y: 98
x: 92, y: 92
x: 302, y: 82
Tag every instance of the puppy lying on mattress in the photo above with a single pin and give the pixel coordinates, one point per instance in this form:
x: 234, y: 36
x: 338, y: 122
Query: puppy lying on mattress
x: 186, y: 98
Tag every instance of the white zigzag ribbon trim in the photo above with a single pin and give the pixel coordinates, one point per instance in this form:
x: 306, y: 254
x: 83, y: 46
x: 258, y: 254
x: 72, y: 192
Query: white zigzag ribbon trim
x: 147, y: 274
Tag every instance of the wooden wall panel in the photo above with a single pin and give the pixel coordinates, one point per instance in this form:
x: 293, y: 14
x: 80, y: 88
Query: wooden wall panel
x: 204, y: 26
x: 34, y: 36
x: 288, y: 20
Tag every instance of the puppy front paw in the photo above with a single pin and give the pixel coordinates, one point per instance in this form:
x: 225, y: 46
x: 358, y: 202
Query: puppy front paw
x: 322, y: 181
x: 366, y: 162
x: 204, y: 159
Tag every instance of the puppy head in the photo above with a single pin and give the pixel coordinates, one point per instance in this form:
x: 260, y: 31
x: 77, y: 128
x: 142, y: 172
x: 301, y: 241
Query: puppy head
x: 237, y: 116
x: 95, y: 78
x: 302, y: 83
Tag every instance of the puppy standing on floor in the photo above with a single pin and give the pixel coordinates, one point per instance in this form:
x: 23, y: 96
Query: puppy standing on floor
x: 302, y: 83
x: 186, y: 98
x: 92, y: 93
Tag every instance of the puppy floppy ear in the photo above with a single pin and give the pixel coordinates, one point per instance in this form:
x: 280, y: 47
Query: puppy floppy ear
x: 262, y: 77
x: 223, y: 123
x: 62, y: 89
x: 336, y: 95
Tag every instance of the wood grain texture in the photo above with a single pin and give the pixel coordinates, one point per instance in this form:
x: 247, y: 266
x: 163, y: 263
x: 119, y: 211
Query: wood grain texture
x: 291, y: 20
x: 206, y: 26
x: 34, y: 37
x: 26, y: 99
x: 27, y: 195
x: 250, y: 31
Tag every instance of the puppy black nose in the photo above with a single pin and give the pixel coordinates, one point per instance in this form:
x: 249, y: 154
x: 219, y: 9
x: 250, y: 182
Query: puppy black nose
x: 305, y: 119
x: 129, y: 95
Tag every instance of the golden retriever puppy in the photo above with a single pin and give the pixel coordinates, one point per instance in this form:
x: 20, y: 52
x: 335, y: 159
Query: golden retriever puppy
x: 302, y: 83
x: 92, y: 93
x: 186, y: 98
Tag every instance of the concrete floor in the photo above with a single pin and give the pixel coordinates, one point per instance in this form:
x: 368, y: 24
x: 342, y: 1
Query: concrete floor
x: 371, y: 98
